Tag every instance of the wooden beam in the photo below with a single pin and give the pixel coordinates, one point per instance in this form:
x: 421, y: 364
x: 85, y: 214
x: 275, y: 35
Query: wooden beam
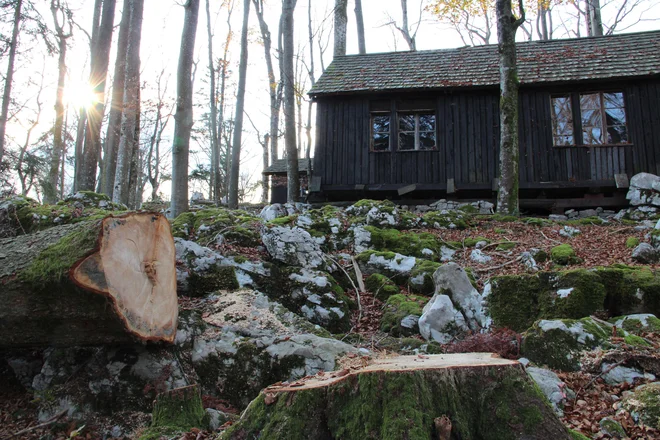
x: 407, y: 189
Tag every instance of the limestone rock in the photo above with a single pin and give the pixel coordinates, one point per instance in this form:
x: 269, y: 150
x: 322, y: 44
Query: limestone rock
x: 553, y: 387
x: 293, y: 246
x: 645, y: 253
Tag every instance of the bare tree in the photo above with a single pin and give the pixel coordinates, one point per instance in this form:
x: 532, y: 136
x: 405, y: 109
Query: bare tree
x: 153, y: 157
x: 359, y: 19
x: 240, y: 105
x: 9, y: 78
x: 183, y: 117
x: 594, y: 20
x: 113, y: 133
x: 213, y: 96
x: 293, y: 180
x: 472, y: 19
x: 341, y: 20
x: 26, y: 183
x: 61, y: 18
x: 97, y: 79
x: 507, y: 25
x: 129, y: 142
x: 274, y: 87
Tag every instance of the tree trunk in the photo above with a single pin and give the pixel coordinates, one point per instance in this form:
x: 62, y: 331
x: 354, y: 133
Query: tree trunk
x: 362, y: 46
x: 264, y: 178
x: 405, y: 29
x: 130, y: 127
x: 113, y: 133
x: 474, y: 395
x: 183, y: 118
x: 507, y: 195
x: 594, y: 20
x: 9, y: 78
x: 50, y: 188
x: 83, y: 284
x: 181, y: 408
x: 341, y: 20
x: 213, y: 95
x: 293, y: 180
x: 97, y: 79
x: 240, y: 105
x: 274, y: 88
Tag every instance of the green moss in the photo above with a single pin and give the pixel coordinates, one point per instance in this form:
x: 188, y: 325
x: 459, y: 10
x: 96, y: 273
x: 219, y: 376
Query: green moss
x: 632, y: 242
x: 636, y: 326
x: 505, y: 218
x: 636, y: 341
x: 448, y: 220
x: 513, y: 301
x: 537, y: 221
x: 645, y: 402
x: 398, y: 307
x: 564, y: 255
x: 586, y: 296
x: 381, y: 286
x: 404, y: 243
x: 506, y: 246
x: 54, y: 262
x: 577, y: 436
x: 216, y: 278
x: 284, y: 221
x: 421, y: 277
x: 472, y: 241
x: 180, y: 409
x: 541, y: 256
x: 469, y: 209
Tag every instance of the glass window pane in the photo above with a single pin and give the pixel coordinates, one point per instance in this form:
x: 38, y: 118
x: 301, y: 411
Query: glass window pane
x: 590, y: 101
x: 406, y: 141
x: 381, y: 124
x: 381, y: 142
x: 617, y: 134
x: 615, y: 116
x: 426, y: 122
x: 427, y: 140
x: 592, y: 135
x: 613, y: 100
x: 406, y: 122
x: 562, y: 120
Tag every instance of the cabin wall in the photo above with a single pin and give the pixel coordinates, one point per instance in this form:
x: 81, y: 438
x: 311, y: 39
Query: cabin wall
x: 468, y: 143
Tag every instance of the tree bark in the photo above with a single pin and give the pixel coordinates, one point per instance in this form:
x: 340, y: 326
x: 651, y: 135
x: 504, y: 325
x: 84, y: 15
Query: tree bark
x: 405, y: 29
x: 507, y: 195
x: 594, y: 20
x: 362, y: 45
x: 9, y: 77
x: 81, y: 284
x: 213, y: 95
x: 341, y: 21
x: 183, y: 117
x: 474, y: 395
x: 113, y: 133
x: 50, y: 188
x: 129, y: 142
x: 97, y: 79
x: 293, y: 179
x: 240, y: 106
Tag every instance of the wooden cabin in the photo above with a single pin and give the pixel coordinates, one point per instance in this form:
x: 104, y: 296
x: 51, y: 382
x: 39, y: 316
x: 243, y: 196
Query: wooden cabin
x: 426, y: 123
x: 278, y: 179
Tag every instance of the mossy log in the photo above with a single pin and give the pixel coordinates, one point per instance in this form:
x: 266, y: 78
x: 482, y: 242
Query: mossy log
x: 95, y: 282
x: 457, y: 396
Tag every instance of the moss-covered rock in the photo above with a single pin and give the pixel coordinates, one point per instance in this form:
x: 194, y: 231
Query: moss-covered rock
x: 421, y: 277
x: 217, y: 277
x: 420, y: 245
x: 472, y: 241
x: 516, y: 301
x: 177, y: 410
x: 559, y: 344
x: 637, y: 324
x: 564, y: 254
x: 446, y: 219
x: 395, y: 266
x: 644, y: 403
x: 208, y: 225
x: 401, y: 314
x: 381, y: 286
x: 632, y: 242
x: 631, y: 289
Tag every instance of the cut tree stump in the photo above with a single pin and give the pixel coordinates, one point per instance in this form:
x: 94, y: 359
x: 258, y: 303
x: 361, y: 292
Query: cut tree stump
x: 455, y: 396
x: 97, y: 282
x: 180, y: 408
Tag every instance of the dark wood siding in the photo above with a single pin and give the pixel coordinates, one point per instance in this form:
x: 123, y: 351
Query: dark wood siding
x: 468, y: 141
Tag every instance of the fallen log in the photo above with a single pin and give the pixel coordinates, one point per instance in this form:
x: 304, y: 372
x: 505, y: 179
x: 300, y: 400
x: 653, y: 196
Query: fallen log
x: 97, y: 282
x: 468, y: 396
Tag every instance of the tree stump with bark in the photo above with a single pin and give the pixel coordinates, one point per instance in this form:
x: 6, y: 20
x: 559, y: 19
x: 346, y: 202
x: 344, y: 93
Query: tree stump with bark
x: 456, y: 396
x: 97, y: 282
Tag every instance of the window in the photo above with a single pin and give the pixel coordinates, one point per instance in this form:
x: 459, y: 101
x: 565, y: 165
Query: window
x: 380, y: 128
x: 416, y: 131
x: 602, y: 118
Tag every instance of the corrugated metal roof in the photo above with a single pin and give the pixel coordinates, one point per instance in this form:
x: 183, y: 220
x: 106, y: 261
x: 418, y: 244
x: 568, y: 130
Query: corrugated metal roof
x: 279, y: 167
x: 616, y: 56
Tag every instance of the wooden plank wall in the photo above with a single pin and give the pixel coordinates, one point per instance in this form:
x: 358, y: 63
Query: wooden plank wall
x: 468, y: 143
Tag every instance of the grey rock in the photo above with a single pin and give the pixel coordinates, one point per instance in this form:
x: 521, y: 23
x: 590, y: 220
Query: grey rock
x: 588, y: 213
x: 479, y: 257
x: 558, y: 217
x: 440, y: 320
x: 612, y: 428
x: 550, y: 384
x: 645, y: 253
x: 410, y: 322
x: 528, y: 260
x: 446, y: 254
x: 644, y: 181
x: 271, y: 212
x: 615, y: 375
x: 293, y: 246
x: 217, y: 418
x: 569, y: 231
